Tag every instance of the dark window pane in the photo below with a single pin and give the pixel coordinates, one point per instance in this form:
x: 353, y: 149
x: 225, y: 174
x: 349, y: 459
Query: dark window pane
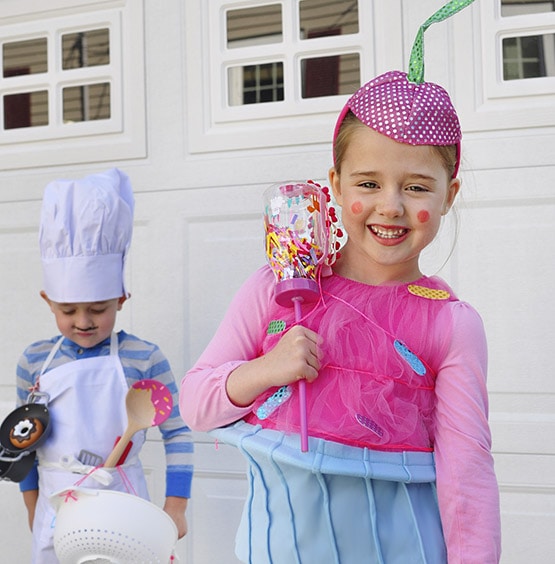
x: 520, y: 7
x: 530, y: 46
x: 531, y: 70
x: 327, y: 17
x: 254, y: 26
x: 25, y: 109
x: 255, y: 84
x: 329, y: 76
x: 510, y: 48
x: 86, y: 103
x: 24, y: 57
x: 531, y: 56
x: 86, y: 49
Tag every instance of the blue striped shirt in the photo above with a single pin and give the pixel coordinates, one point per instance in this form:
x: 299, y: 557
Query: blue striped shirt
x: 140, y: 360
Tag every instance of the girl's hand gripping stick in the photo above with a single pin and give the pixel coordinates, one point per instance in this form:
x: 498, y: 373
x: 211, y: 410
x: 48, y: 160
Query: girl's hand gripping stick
x: 297, y: 244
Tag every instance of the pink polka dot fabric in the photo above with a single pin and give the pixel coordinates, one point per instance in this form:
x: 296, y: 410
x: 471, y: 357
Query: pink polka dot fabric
x: 416, y: 114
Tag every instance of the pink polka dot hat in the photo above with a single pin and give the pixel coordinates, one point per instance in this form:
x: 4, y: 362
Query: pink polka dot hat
x: 404, y: 107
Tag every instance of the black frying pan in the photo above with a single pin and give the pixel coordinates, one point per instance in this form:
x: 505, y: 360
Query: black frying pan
x: 16, y: 468
x: 25, y: 428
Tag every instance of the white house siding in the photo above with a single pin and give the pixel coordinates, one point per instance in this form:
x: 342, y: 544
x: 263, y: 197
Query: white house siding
x: 198, y: 231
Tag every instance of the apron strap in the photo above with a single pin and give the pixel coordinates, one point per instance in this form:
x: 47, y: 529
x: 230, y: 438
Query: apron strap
x: 50, y: 356
x: 114, y: 344
x: 36, y: 386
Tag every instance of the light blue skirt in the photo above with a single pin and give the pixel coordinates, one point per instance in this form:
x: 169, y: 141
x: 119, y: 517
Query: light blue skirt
x: 334, y: 504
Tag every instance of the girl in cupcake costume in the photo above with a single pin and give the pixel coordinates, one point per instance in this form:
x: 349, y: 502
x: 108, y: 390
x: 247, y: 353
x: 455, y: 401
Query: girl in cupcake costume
x: 398, y: 468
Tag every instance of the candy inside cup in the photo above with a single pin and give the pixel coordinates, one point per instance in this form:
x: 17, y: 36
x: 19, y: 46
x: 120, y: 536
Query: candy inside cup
x: 296, y: 234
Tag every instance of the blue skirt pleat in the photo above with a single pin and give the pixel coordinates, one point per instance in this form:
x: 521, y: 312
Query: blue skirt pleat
x: 335, y: 504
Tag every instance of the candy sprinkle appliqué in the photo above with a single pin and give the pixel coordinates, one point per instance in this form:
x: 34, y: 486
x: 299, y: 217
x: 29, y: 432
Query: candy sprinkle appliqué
x: 429, y: 293
x: 275, y: 326
x: 369, y: 424
x: 273, y: 402
x: 414, y: 362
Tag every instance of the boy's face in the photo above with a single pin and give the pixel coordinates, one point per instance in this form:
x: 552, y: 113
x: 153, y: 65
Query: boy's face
x: 88, y: 323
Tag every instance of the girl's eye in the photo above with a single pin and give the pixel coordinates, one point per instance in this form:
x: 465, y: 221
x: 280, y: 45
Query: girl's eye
x: 417, y: 189
x: 97, y: 311
x: 370, y: 185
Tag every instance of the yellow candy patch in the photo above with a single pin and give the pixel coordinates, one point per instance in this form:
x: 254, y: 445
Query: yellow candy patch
x: 429, y: 293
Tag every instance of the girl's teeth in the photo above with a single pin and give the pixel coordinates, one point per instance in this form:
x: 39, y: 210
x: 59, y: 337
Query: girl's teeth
x: 387, y: 233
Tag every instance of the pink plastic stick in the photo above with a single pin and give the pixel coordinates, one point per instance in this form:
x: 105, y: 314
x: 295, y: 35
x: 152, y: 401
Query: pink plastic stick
x: 302, y: 387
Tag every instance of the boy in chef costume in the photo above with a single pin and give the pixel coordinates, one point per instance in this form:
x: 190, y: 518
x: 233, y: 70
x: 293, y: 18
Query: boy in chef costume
x: 85, y: 235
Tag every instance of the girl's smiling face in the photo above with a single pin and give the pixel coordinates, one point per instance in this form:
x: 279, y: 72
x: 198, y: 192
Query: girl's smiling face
x: 392, y: 197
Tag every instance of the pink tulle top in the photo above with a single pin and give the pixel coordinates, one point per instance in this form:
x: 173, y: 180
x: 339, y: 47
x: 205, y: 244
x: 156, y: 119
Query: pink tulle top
x: 375, y: 388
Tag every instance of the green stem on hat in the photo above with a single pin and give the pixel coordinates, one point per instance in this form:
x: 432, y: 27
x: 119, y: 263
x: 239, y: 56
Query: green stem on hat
x: 416, y: 62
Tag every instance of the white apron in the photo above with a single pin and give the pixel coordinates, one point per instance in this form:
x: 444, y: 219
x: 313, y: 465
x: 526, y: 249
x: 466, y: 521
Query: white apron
x: 87, y: 411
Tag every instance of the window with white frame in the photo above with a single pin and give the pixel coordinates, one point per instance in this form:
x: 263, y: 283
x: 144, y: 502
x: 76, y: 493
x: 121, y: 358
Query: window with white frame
x: 505, y: 75
x: 62, y: 81
x: 529, y: 54
x: 317, y: 76
x: 522, y: 34
x: 83, y: 98
x: 268, y: 62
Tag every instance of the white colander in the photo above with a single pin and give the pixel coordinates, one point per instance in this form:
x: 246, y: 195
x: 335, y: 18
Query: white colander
x: 108, y: 527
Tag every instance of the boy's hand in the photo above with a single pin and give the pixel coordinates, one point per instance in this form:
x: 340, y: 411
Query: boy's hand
x: 175, y: 507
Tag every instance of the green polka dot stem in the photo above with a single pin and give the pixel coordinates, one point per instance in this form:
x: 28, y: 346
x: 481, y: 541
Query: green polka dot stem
x: 416, y: 62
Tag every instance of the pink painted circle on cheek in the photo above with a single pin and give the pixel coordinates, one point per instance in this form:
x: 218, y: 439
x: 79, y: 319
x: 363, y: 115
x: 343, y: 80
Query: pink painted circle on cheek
x: 423, y: 216
x: 356, y: 207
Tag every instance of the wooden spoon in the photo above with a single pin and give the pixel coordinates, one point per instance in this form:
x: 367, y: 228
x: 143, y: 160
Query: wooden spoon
x: 140, y: 415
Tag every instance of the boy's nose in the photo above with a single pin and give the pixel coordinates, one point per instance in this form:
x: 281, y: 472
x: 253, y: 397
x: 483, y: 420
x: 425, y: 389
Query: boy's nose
x: 83, y: 321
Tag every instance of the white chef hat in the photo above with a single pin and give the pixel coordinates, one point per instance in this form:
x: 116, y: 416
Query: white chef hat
x: 84, y: 237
